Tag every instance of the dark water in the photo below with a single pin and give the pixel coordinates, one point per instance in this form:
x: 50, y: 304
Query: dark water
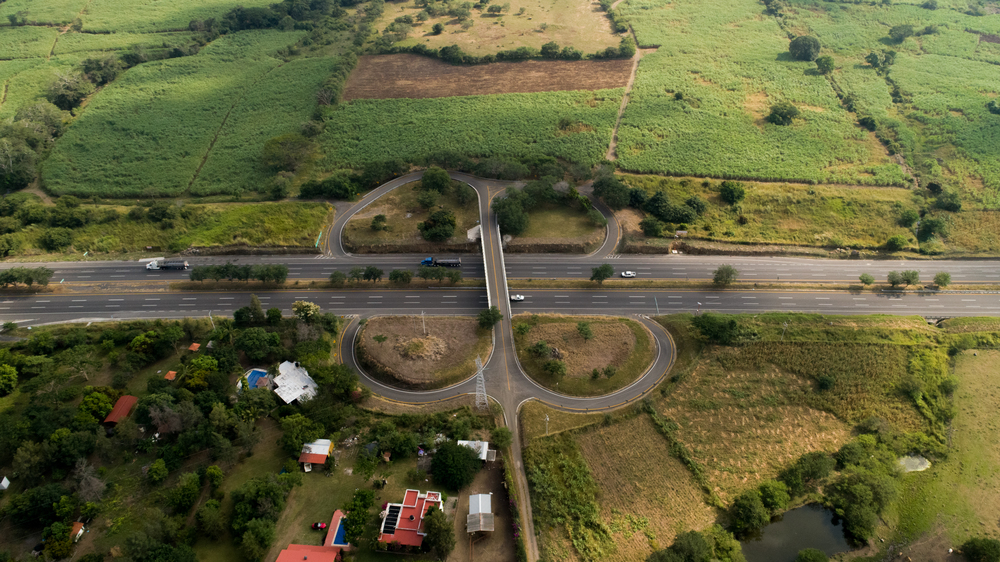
x: 809, y: 526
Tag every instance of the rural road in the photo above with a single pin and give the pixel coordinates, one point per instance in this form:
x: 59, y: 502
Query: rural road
x: 505, y: 380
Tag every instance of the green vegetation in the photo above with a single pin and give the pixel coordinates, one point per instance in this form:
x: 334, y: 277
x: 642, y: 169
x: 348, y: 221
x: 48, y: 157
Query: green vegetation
x: 454, y: 466
x: 714, y: 543
x: 515, y: 126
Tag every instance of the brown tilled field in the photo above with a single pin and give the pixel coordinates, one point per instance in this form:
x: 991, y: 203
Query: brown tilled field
x: 446, y: 354
x: 646, y: 494
x: 415, y: 76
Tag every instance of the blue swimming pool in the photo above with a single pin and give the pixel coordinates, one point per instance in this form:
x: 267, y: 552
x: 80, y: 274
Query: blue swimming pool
x: 253, y: 375
x: 339, y: 538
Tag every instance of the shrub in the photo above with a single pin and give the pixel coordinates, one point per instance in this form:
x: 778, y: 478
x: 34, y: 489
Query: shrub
x: 907, y: 218
x: 811, y: 555
x: 804, y: 47
x: 725, y: 275
x: 454, y: 466
x: 825, y: 64
x: 732, y: 192
x: 652, y: 227
x: 440, y: 226
x: 895, y: 243
x: 783, y: 113
x: 748, y: 513
x: 774, y: 495
x: 981, y: 549
x: 942, y: 279
x: 56, y: 239
x: 899, y: 33
x: 866, y: 279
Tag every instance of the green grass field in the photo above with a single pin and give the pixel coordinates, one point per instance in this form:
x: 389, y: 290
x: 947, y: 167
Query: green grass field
x: 512, y: 125
x: 148, y: 132
x: 146, y: 16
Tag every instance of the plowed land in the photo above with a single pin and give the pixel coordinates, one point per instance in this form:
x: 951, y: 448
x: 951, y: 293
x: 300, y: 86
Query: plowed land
x: 414, y: 76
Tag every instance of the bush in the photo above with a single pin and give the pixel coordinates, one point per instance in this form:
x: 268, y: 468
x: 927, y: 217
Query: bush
x: 440, y: 226
x: 732, y: 192
x: 56, y: 239
x: 487, y: 318
x: 716, y: 328
x: 748, y: 513
x: 895, y: 243
x: 725, y: 275
x: 866, y: 279
x: 454, y: 466
x: 907, y: 218
x: 899, y: 33
x: 981, y: 549
x: 774, y: 495
x: 652, y: 227
x: 942, y: 279
x: 811, y: 555
x: 783, y: 113
x: 825, y: 64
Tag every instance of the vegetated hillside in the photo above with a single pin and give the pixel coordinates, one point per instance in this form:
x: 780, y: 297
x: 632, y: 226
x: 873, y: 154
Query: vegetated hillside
x: 754, y: 400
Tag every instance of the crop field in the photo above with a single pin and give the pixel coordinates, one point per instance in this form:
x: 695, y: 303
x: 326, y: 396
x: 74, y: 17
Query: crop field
x: 414, y: 76
x: 730, y: 64
x: 620, y: 343
x: 27, y: 79
x: 27, y: 42
x: 443, y: 355
x: 583, y: 25
x: 944, y: 78
x: 512, y: 125
x: 95, y: 42
x: 146, y: 16
x: 403, y: 214
x: 149, y: 131
x: 646, y: 495
x: 47, y: 12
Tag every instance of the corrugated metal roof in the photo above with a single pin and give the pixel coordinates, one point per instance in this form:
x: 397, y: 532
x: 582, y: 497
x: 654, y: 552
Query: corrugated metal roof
x: 122, y: 409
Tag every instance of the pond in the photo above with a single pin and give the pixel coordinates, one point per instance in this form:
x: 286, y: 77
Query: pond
x: 809, y: 526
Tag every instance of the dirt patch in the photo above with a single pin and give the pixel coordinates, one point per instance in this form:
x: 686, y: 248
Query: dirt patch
x: 814, y: 108
x: 757, y: 106
x: 611, y: 345
x: 414, y: 76
x: 701, y: 81
x: 989, y: 38
x: 629, y: 220
x: 408, y: 356
x: 393, y: 408
x: 497, y: 546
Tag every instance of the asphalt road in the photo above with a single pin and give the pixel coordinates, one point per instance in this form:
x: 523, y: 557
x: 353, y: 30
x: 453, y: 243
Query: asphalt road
x: 557, y: 266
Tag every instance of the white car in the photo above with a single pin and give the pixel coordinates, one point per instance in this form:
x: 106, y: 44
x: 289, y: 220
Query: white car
x: 628, y: 274
x: 517, y: 298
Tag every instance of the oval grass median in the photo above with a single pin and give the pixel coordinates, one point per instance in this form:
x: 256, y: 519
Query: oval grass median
x: 398, y: 351
x: 582, y: 355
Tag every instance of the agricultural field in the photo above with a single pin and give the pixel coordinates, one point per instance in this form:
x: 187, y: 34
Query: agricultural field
x: 190, y: 107
x: 619, y: 350
x: 647, y: 495
x: 148, y: 16
x: 403, y: 213
x: 442, y: 355
x: 729, y: 64
x: 583, y: 25
x: 414, y: 76
x: 505, y: 125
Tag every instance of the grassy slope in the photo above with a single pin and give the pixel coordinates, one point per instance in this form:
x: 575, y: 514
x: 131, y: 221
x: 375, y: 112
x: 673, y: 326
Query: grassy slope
x: 146, y: 16
x: 403, y: 214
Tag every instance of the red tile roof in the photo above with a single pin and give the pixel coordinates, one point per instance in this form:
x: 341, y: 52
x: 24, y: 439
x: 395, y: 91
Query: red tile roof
x: 296, y: 552
x: 194, y: 347
x: 409, y: 529
x: 77, y: 527
x: 312, y: 458
x: 171, y: 375
x: 123, y: 407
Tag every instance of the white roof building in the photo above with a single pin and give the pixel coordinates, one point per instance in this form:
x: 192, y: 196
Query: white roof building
x: 294, y: 383
x: 4, y: 484
x: 480, y: 447
x: 480, y: 513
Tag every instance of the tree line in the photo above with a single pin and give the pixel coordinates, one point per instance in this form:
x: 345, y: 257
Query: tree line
x: 25, y: 276
x: 267, y: 273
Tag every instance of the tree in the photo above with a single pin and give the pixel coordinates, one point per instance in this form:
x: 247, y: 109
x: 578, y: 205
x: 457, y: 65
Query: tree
x: 56, y: 239
x: 907, y: 218
x: 725, y: 275
x: 748, y: 512
x: 380, y: 339
x: 257, y: 539
x: 651, y: 227
x: 210, y: 519
x: 68, y: 90
x: 273, y: 316
x: 894, y: 278
x: 298, y: 431
x: 379, y: 222
x: 895, y: 243
x: 437, y: 29
x: 511, y: 216
x: 899, y: 33
x: 601, y: 272
x: 555, y: 368
x: 286, y: 153
x: 811, y: 555
x: 732, y: 192
x: 338, y: 278
x: 804, y: 47
x: 257, y: 343
x: 440, y: 536
x: 438, y: 227
x: 256, y: 311
x: 487, y: 318
x: 8, y: 379
x: 185, y: 493
x: 214, y: 476
x: 942, y: 279
x: 501, y: 437
x: 910, y: 277
x: 716, y: 327
x: 307, y: 311
x: 427, y: 199
x: 372, y: 274
x: 783, y: 113
x: 435, y: 179
x: 825, y: 64
x: 982, y: 549
x: 401, y: 276
x: 454, y: 466
x: 157, y: 472
x: 549, y: 50
x: 774, y: 495
x: 584, y: 329
x: 866, y: 279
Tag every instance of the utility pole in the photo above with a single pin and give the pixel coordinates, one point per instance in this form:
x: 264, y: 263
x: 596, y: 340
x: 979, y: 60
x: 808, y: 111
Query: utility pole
x: 210, y: 319
x: 546, y: 425
x: 424, y: 324
x: 783, y: 331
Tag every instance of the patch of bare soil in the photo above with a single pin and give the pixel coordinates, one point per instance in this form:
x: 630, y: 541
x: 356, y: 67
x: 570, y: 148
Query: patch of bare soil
x: 497, y: 546
x: 629, y: 220
x: 446, y: 353
x: 414, y: 76
x: 612, y: 344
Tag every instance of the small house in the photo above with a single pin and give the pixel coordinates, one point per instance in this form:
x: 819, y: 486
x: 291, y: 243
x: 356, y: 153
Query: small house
x: 4, y: 484
x: 121, y: 410
x: 315, y: 453
x: 330, y: 551
x: 403, y: 523
x: 294, y: 383
x: 171, y: 375
x: 194, y: 347
x: 77, y: 532
x: 480, y: 513
x: 482, y: 448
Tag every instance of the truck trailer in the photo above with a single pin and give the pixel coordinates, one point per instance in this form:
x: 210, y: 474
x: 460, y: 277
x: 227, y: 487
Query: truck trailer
x: 450, y: 262
x: 167, y: 264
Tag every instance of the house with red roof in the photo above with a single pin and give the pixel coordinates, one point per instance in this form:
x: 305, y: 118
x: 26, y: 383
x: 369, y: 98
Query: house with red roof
x: 403, y: 523
x: 330, y: 551
x: 315, y: 453
x: 121, y: 410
